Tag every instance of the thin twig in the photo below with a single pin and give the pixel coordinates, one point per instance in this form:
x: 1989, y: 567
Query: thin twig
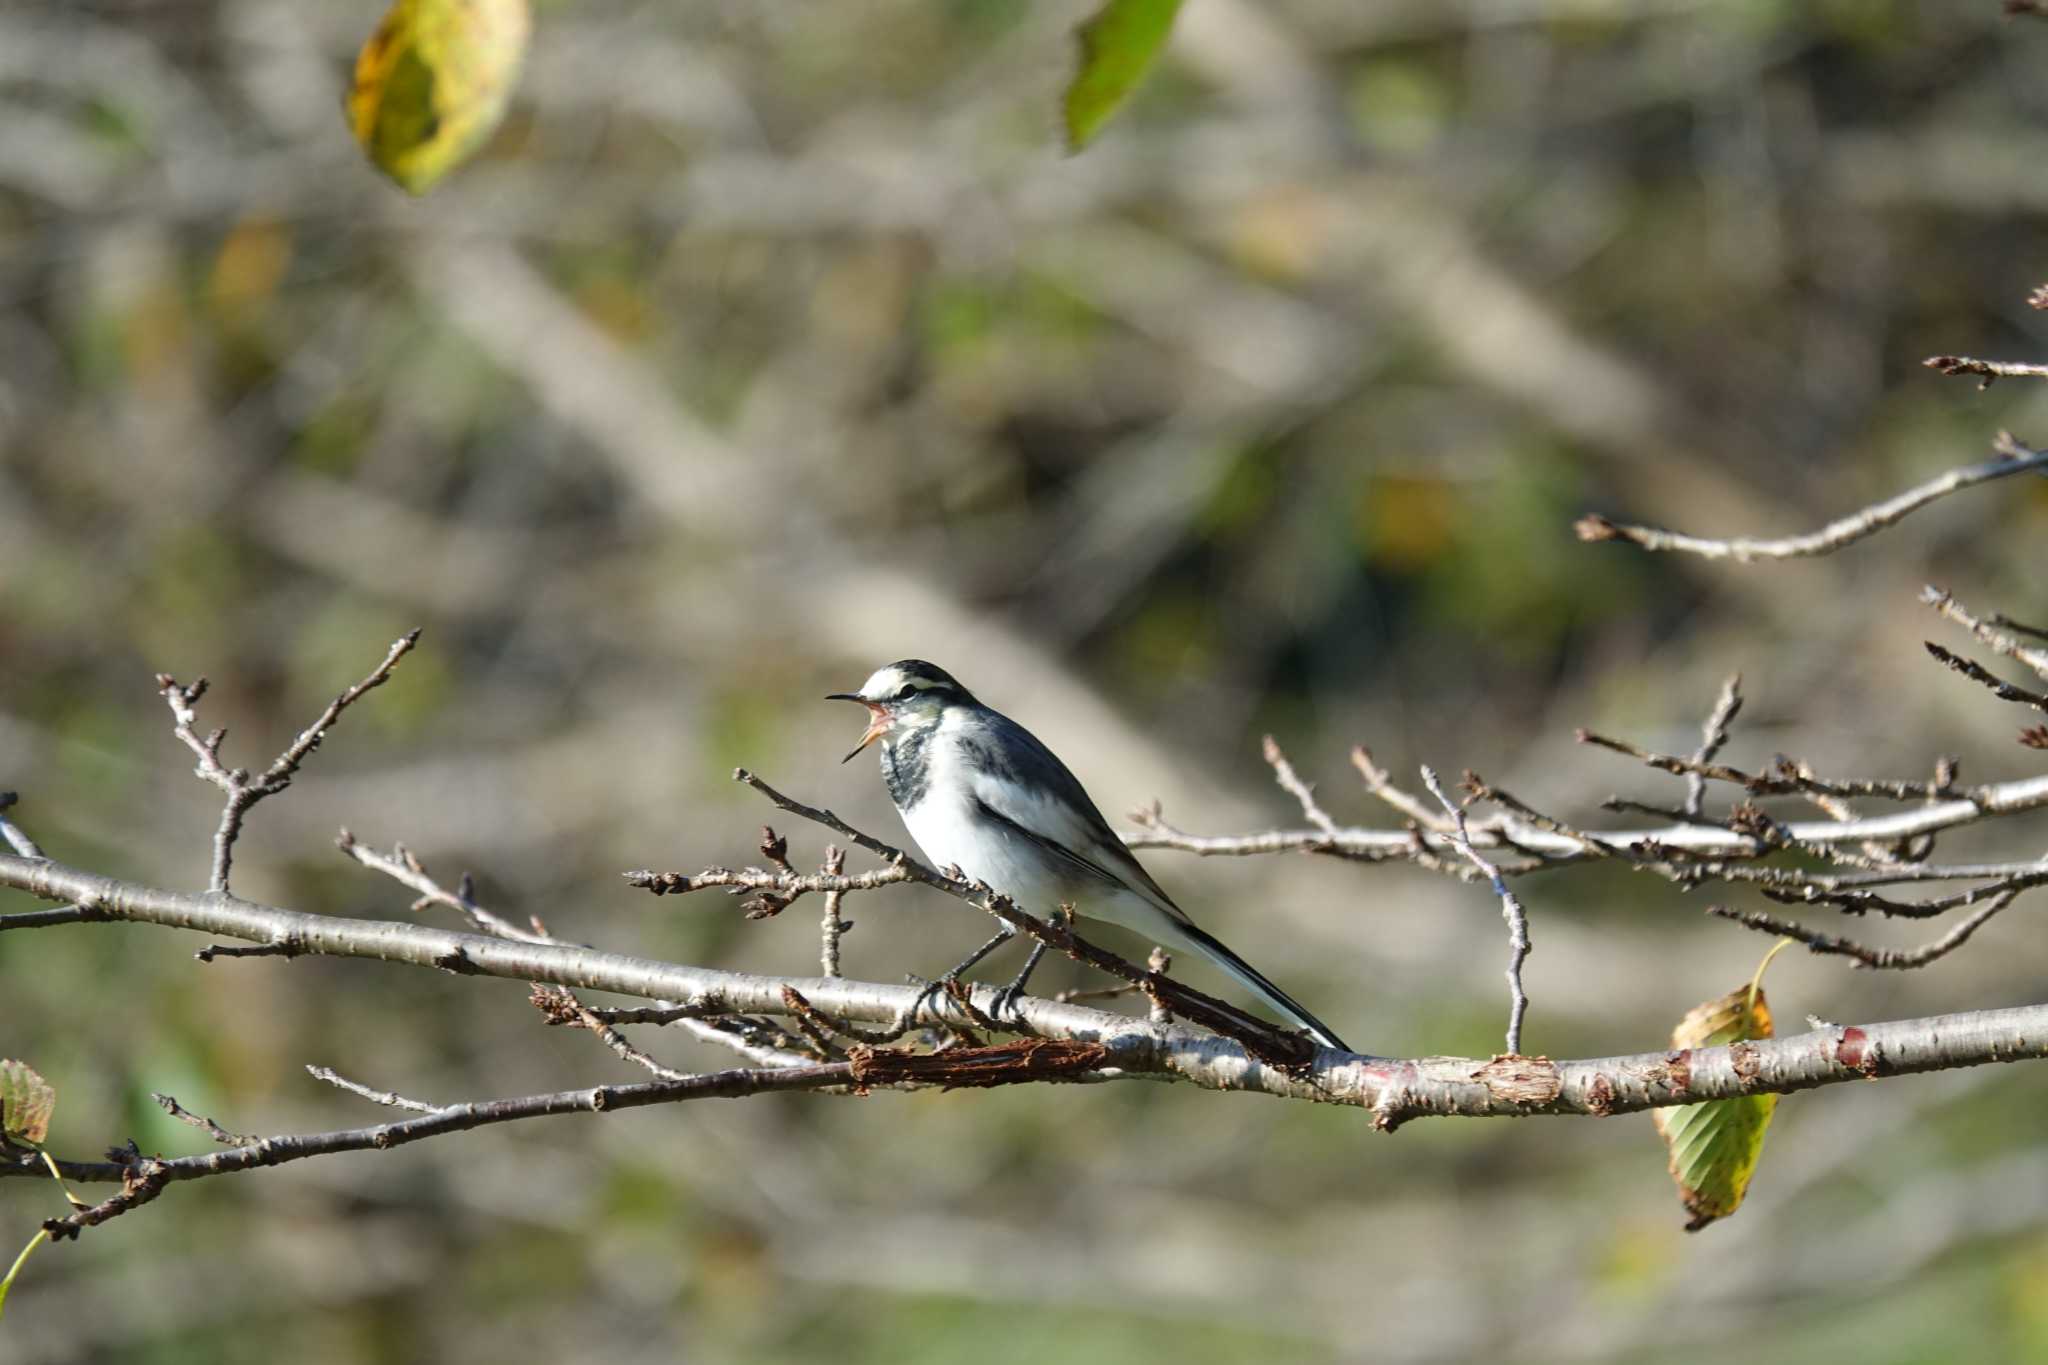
x: 1510, y: 909
x: 1352, y: 845
x: 650, y: 1014
x: 146, y: 1177
x: 1879, y: 959
x: 2013, y: 458
x: 742, y: 1035
x: 760, y: 879
x: 242, y: 790
x: 1480, y: 790
x: 384, y: 1097
x: 816, y: 1026
x: 1380, y: 783
x: 202, y: 1123
x: 1989, y: 632
x: 832, y: 927
x: 1788, y: 779
x: 1998, y: 620
x: 43, y: 919
x: 1099, y: 993
x: 405, y: 868
x: 1622, y: 805
x: 1989, y: 371
x: 1773, y: 833
x: 1158, y: 960
x: 1890, y: 875
x: 1858, y: 902
x: 561, y: 1006
x: 16, y: 837
x: 214, y: 950
x: 1291, y: 783
x: 1976, y: 673
x: 1713, y: 736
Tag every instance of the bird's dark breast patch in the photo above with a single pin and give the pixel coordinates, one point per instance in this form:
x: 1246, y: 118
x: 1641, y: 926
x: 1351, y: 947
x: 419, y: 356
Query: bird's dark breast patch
x: 907, y: 767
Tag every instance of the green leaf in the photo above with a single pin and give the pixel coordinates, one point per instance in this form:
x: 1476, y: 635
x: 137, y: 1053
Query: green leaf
x: 1715, y: 1146
x: 26, y: 1102
x: 1118, y: 46
x: 432, y: 83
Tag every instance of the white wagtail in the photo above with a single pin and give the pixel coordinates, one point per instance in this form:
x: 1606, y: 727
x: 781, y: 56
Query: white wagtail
x: 979, y: 792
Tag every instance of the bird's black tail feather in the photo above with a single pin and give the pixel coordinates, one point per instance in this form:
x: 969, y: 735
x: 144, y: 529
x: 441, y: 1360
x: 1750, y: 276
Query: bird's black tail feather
x: 1209, y: 946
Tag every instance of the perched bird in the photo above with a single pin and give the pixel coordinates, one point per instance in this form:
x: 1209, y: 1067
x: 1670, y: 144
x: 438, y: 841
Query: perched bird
x: 979, y: 792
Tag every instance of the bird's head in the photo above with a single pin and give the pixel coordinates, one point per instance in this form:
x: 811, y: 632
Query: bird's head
x: 909, y: 694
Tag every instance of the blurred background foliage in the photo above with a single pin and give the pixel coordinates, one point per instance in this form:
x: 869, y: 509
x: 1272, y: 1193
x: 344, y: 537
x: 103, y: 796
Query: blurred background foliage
x: 774, y: 339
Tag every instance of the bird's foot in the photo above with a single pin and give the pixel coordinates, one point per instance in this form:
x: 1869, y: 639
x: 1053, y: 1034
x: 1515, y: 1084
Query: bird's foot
x: 1006, y: 998
x: 928, y: 996
x: 1005, y: 1003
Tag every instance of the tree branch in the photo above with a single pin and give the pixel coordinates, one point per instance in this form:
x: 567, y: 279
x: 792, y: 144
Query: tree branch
x: 1863, y: 954
x: 1507, y: 831
x: 2013, y: 458
x: 1291, y: 783
x: 1713, y: 737
x: 12, y: 834
x: 1989, y: 633
x: 144, y: 1178
x: 1989, y: 371
x: 1395, y: 1090
x: 1983, y: 677
x: 1510, y: 909
x: 243, y: 791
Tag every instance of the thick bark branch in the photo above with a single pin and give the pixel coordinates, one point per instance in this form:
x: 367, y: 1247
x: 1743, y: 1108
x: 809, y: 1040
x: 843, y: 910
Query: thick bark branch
x: 1395, y: 1090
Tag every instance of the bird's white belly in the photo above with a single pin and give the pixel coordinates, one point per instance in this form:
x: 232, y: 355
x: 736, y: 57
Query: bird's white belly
x: 951, y: 832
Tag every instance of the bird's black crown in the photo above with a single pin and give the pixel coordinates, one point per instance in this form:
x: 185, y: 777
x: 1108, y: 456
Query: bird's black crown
x: 928, y: 677
x: 917, y: 670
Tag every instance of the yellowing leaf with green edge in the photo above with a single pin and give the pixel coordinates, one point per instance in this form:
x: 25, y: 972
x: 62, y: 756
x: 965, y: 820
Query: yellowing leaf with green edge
x: 1715, y: 1146
x: 26, y: 1102
x: 432, y: 83
x: 1118, y: 46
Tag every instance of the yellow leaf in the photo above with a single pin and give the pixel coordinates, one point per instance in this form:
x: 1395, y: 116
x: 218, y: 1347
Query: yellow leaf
x: 1715, y: 1146
x: 26, y: 1102
x: 432, y: 83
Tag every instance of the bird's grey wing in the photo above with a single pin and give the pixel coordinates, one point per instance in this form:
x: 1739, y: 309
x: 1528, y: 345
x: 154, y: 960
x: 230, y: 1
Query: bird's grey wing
x: 1023, y: 784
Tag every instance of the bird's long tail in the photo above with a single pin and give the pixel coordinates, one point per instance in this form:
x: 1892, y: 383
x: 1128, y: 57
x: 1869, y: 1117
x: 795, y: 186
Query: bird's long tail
x: 1181, y: 934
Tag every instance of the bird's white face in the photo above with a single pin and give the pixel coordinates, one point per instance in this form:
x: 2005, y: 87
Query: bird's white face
x: 900, y: 699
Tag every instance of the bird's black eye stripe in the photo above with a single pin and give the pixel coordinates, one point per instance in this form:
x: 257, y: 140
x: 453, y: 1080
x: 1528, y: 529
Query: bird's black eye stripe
x: 905, y: 692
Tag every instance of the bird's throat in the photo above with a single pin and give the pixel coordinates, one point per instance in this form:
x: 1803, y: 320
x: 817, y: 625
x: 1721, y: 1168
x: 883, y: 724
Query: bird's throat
x: 906, y: 764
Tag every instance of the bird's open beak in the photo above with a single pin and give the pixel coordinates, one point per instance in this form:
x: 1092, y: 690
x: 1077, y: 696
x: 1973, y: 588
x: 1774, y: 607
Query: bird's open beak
x: 878, y: 722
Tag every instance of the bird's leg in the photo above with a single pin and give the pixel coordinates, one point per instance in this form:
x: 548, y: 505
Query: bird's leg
x: 1006, y: 998
x: 933, y: 989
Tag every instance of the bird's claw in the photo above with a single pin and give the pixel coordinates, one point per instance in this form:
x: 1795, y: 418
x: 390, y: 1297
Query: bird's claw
x: 1005, y: 1003
x: 927, y: 996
